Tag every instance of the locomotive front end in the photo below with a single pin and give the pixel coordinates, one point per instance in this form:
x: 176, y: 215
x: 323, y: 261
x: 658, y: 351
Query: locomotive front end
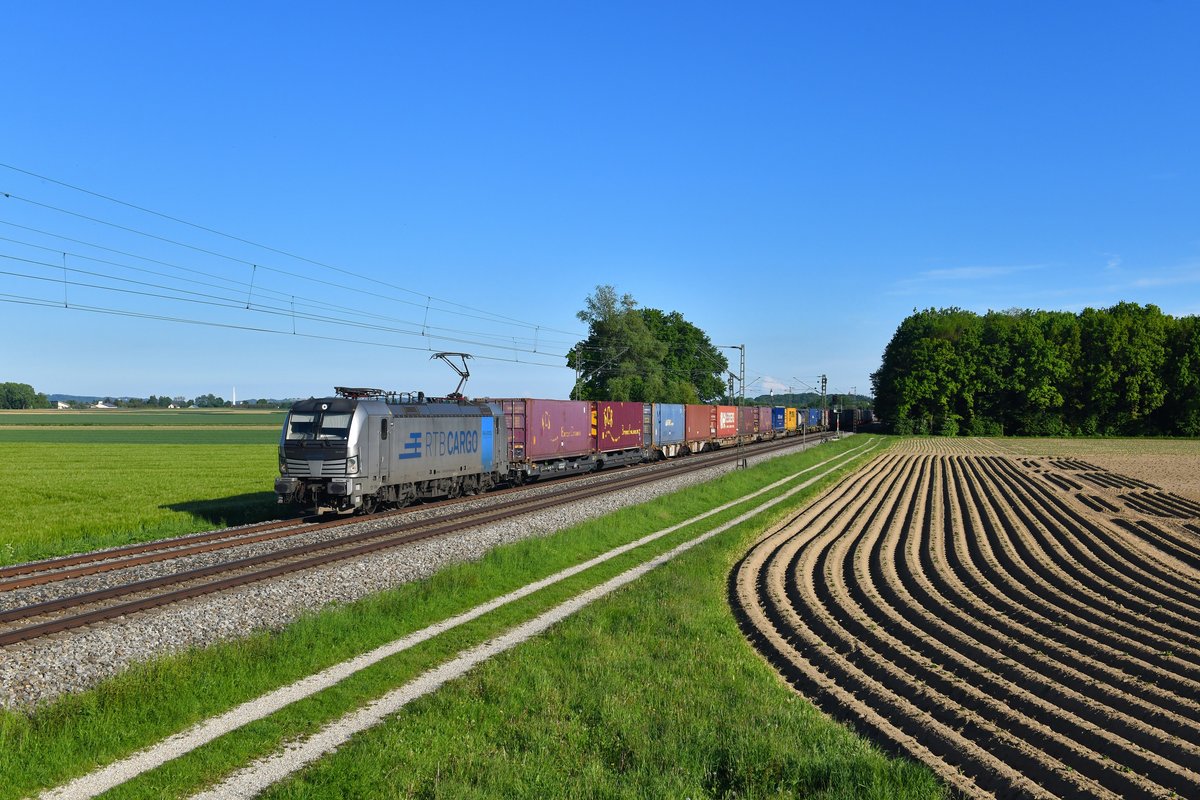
x: 318, y: 454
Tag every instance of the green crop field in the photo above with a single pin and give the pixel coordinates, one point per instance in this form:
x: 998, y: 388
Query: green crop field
x: 191, y: 426
x: 163, y: 417
x: 65, y: 498
x: 76, y: 481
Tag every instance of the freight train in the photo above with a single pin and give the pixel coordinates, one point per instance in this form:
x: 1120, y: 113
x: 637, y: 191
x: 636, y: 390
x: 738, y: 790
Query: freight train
x: 366, y: 449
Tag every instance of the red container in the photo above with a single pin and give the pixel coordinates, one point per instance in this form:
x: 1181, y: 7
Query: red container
x: 699, y: 423
x: 619, y: 426
x: 727, y: 421
x: 543, y: 429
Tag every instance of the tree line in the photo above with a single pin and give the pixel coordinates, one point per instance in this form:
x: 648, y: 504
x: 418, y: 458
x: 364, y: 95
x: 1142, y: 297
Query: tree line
x: 1128, y: 370
x: 24, y: 396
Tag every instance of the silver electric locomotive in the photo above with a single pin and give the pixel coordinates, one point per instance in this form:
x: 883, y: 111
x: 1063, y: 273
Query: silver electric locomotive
x: 367, y: 449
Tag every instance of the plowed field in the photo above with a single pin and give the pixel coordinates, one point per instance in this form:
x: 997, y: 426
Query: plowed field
x: 1025, y: 625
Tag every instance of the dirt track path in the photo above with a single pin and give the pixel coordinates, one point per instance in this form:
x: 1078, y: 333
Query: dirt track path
x: 1025, y: 626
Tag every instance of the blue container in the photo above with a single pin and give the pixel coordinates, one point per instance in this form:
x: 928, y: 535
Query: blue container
x: 814, y: 418
x: 668, y: 423
x: 777, y: 418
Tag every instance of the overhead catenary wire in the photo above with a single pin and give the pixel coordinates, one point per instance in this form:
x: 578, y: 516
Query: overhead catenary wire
x: 278, y: 251
x: 37, y: 301
x: 480, y: 315
x: 357, y: 313
x: 235, y: 303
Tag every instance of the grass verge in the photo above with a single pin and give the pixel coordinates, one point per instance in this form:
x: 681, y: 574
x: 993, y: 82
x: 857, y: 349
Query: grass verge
x: 650, y: 692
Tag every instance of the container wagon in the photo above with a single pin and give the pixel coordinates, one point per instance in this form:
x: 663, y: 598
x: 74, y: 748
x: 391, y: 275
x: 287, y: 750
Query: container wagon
x: 621, y: 431
x: 728, y: 424
x: 667, y: 435
x: 547, y: 437
x: 747, y: 422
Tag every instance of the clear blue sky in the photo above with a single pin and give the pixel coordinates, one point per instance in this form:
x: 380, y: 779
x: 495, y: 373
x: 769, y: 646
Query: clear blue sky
x: 794, y: 176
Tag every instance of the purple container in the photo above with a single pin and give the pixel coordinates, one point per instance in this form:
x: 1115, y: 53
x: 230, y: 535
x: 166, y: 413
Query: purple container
x: 619, y: 426
x: 539, y: 430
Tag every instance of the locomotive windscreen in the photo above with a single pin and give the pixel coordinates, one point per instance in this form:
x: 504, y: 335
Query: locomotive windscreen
x: 308, y: 425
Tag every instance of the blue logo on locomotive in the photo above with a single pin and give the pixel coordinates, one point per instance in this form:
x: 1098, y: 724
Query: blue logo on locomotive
x: 412, y: 448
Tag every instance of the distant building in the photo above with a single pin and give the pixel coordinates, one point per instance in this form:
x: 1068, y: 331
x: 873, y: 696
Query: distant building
x: 102, y: 404
x: 60, y: 404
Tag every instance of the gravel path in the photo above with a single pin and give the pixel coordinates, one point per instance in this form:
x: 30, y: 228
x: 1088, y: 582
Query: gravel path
x: 40, y: 670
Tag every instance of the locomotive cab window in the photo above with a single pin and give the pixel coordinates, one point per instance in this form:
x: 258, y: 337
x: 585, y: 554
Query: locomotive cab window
x: 301, y: 425
x: 307, y: 425
x: 334, y: 426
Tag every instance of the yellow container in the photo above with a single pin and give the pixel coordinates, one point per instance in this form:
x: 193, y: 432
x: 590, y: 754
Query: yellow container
x: 789, y: 419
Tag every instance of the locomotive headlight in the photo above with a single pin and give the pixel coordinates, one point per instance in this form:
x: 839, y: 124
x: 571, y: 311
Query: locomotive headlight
x: 351, y: 465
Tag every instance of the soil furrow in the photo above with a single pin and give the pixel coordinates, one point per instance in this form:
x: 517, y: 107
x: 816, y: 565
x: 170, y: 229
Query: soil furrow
x: 1008, y: 647
x: 1067, y: 562
x: 963, y: 610
x: 1160, y: 755
x: 1102, y: 545
x: 1163, y: 504
x: 1045, y: 757
x: 1160, y: 538
x: 1070, y: 618
x: 976, y: 687
x: 1171, y: 579
x: 954, y: 742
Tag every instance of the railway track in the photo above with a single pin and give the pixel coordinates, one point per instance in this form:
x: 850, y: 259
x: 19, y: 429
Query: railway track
x: 969, y: 613
x: 70, y: 611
